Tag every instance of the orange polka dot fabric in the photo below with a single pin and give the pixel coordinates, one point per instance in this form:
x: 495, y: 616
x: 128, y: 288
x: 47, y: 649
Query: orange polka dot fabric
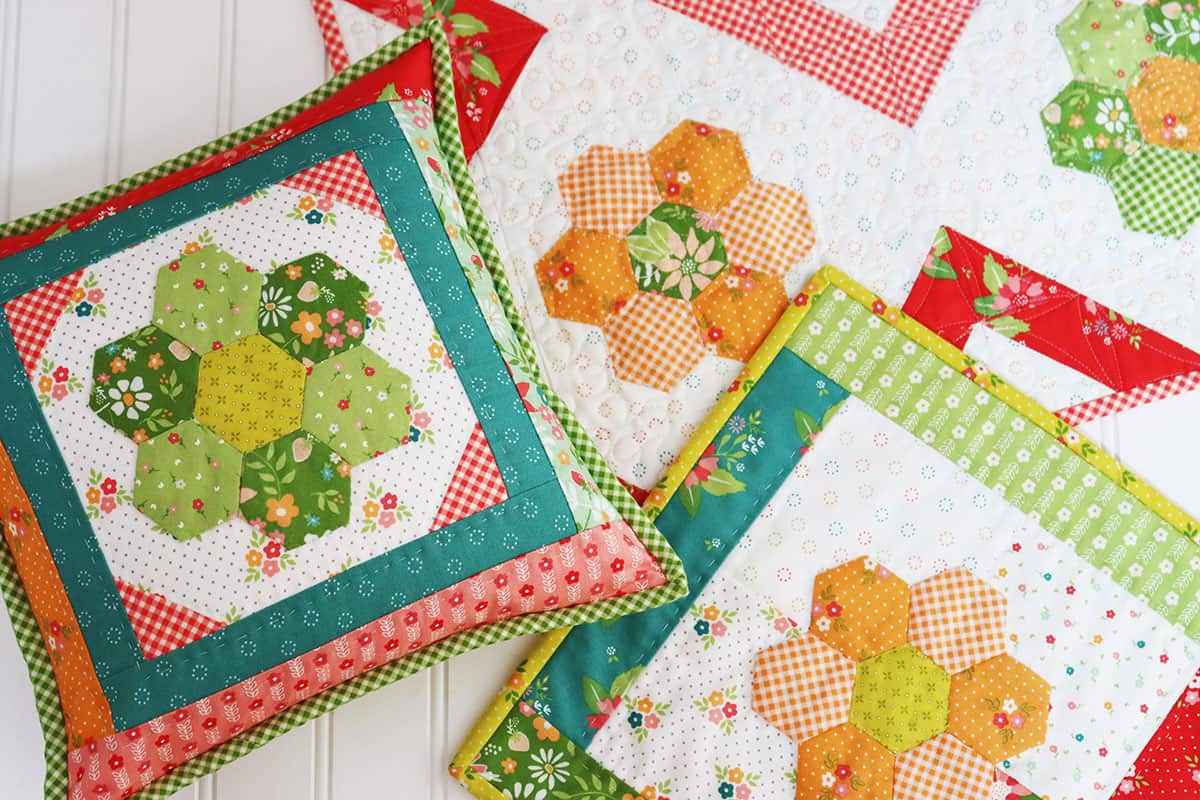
x: 84, y: 706
x: 737, y: 312
x: 637, y: 216
x: 860, y: 610
x: 844, y: 762
x: 699, y: 165
x: 1165, y: 99
x: 585, y: 276
x: 959, y: 705
x: 999, y: 708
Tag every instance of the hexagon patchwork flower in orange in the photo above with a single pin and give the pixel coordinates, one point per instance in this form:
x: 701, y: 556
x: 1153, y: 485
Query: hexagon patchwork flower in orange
x: 900, y: 692
x: 674, y: 253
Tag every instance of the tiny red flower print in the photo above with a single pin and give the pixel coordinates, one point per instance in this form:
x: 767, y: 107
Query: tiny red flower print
x: 720, y: 708
x: 266, y: 557
x: 382, y: 509
x: 55, y: 383
x: 57, y: 638
x: 103, y: 495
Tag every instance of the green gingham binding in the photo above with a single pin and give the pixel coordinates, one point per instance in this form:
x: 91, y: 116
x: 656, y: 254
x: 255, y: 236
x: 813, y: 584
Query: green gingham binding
x: 446, y: 120
x: 1158, y: 191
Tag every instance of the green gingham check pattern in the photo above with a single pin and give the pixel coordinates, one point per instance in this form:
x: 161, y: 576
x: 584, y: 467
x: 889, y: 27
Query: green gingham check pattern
x: 1158, y: 190
x: 446, y: 121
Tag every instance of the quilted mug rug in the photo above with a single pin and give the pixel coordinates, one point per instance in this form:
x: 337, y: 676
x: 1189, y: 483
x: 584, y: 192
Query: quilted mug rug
x: 907, y: 580
x: 272, y: 437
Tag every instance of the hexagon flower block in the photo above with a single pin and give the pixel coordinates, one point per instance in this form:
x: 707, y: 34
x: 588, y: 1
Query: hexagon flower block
x: 251, y: 395
x: 1132, y: 114
x: 674, y: 253
x: 899, y: 691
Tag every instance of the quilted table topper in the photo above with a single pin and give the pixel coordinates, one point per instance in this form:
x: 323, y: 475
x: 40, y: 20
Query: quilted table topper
x: 271, y: 437
x: 908, y: 580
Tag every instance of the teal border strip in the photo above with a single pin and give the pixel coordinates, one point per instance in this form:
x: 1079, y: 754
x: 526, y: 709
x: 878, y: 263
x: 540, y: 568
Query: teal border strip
x: 536, y: 514
x: 703, y: 542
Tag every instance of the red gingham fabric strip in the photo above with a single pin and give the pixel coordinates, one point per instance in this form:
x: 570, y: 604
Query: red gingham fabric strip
x: 335, y: 46
x: 341, y: 178
x: 892, y: 71
x: 32, y: 317
x: 1131, y: 398
x: 477, y: 483
x: 160, y: 625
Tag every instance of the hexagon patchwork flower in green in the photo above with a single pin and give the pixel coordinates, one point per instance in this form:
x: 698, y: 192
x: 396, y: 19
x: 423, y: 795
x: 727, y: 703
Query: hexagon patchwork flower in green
x: 1132, y: 112
x: 252, y: 395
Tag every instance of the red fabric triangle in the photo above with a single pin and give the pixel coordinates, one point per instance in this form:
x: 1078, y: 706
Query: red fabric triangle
x: 160, y: 625
x: 33, y: 315
x: 341, y: 178
x: 477, y: 483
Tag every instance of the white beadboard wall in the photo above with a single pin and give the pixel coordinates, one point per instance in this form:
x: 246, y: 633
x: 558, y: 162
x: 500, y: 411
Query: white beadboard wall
x: 92, y: 91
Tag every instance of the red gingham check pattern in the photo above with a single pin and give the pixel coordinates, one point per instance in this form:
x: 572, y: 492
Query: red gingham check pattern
x: 33, y: 315
x: 957, y: 619
x: 653, y: 341
x: 335, y: 46
x: 892, y: 71
x: 341, y: 178
x: 1130, y: 398
x: 803, y: 686
x: 608, y: 190
x: 477, y: 483
x: 160, y: 625
x: 942, y: 767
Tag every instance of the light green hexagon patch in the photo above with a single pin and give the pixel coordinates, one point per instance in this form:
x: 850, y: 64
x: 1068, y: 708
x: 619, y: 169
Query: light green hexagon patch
x: 295, y: 486
x: 207, y: 299
x: 187, y: 480
x: 358, y: 405
x: 144, y: 383
x: 901, y: 698
x: 1107, y: 43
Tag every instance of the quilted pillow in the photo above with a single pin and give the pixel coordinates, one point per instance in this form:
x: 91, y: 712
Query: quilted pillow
x: 271, y: 436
